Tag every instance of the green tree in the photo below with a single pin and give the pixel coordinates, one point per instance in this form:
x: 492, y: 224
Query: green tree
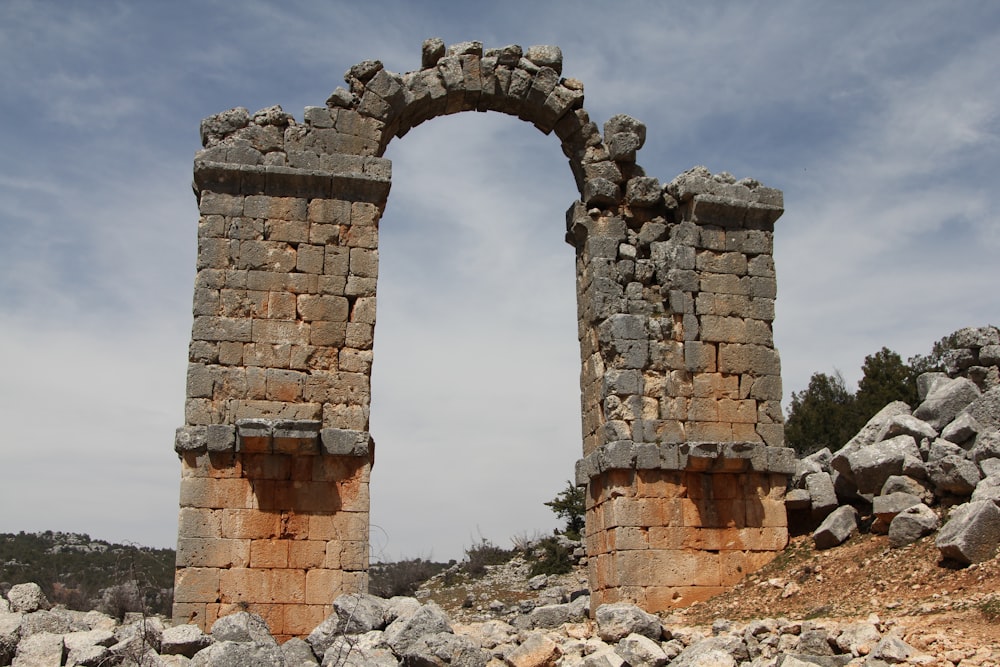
x: 570, y: 505
x: 822, y: 415
x: 886, y: 379
x: 926, y: 363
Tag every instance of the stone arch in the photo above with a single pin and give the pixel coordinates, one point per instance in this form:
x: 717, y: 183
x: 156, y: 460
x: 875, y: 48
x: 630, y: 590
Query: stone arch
x: 680, y: 382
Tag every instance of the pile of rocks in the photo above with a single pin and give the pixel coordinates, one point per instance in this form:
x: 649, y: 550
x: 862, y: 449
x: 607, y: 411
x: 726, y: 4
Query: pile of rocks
x: 373, y: 632
x: 906, y: 470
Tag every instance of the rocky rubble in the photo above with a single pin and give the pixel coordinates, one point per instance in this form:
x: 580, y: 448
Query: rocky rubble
x: 369, y: 631
x: 913, y: 472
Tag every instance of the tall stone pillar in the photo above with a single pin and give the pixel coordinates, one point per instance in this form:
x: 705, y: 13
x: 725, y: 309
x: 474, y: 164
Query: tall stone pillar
x: 276, y: 454
x: 684, y: 464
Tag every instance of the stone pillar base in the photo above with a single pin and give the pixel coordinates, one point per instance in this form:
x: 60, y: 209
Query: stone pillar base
x: 276, y: 525
x: 669, y: 536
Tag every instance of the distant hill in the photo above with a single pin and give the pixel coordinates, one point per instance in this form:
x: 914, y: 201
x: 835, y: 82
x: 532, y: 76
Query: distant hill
x: 84, y: 573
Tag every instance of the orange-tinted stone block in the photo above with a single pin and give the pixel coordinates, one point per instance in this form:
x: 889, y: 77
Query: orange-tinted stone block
x: 250, y: 524
x: 196, y: 584
x: 269, y: 553
x: 323, y: 586
x: 301, y: 619
x: 306, y: 554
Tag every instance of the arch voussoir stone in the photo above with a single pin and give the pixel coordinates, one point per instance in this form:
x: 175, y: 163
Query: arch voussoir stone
x: 682, y: 442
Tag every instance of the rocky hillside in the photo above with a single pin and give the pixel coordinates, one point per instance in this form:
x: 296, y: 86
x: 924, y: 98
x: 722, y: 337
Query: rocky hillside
x: 82, y: 573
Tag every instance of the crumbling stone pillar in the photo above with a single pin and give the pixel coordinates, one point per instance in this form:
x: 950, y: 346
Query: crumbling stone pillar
x: 684, y: 464
x: 680, y: 382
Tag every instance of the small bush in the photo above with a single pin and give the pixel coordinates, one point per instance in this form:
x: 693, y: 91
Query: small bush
x: 550, y: 556
x: 990, y: 608
x: 401, y: 578
x: 478, y: 556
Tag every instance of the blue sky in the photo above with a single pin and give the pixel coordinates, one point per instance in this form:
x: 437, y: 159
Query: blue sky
x: 879, y: 121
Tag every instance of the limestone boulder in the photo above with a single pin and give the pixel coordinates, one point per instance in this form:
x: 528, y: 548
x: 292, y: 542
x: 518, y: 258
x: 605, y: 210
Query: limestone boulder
x: 356, y: 614
x: 405, y: 630
x: 445, y: 648
x: 228, y: 653
x: 27, y: 598
x: 990, y: 467
x: 869, y: 434
x: 984, y: 411
x: 907, y: 484
x: 10, y: 634
x: 816, y: 462
x: 86, y: 656
x: 836, y: 528
x: 887, y: 507
x: 988, y: 489
x: 941, y: 448
x: 909, y: 425
x: 639, y: 650
x: 183, y: 640
x: 872, y: 465
x: 892, y: 649
x: 721, y: 650
x: 359, y: 650
x: 42, y: 649
x: 945, y: 400
x: 911, y: 524
x: 242, y: 627
x: 858, y: 638
x: 954, y: 475
x: 604, y: 657
x: 80, y: 638
x: 987, y: 446
x: 972, y: 534
x: 621, y: 619
x: 537, y: 650
x: 814, y: 643
x: 554, y: 615
x: 822, y: 497
x: 962, y: 429
x: 298, y: 653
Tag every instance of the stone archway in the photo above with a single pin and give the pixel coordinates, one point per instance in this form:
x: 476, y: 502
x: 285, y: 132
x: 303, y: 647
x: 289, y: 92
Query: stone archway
x: 682, y: 436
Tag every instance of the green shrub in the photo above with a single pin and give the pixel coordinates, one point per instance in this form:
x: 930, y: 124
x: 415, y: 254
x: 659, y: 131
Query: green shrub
x: 401, y: 578
x: 550, y: 557
x: 478, y: 556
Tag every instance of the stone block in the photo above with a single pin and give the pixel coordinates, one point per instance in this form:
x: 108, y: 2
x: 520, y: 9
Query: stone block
x: 734, y: 263
x: 250, y: 524
x: 199, y: 522
x: 209, y: 493
x: 323, y: 586
x: 196, y: 584
x: 212, y: 553
x: 700, y: 357
x: 221, y: 329
x: 269, y: 553
x: 220, y: 438
x: 213, y: 203
x: 278, y: 332
x: 306, y: 554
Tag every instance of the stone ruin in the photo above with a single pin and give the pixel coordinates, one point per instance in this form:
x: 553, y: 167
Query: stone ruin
x: 683, y: 456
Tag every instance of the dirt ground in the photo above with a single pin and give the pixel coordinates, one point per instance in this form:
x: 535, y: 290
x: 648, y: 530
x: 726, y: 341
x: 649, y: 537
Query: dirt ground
x: 939, y: 608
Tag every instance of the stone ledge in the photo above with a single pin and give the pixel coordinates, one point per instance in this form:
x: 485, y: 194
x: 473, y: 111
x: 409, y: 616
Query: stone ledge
x: 708, y: 457
x: 273, y: 436
x: 273, y: 180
